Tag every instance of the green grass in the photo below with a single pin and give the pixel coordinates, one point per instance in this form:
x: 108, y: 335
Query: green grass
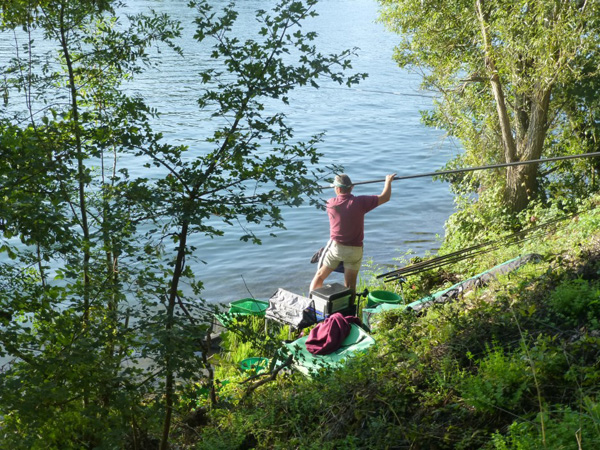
x: 511, y: 365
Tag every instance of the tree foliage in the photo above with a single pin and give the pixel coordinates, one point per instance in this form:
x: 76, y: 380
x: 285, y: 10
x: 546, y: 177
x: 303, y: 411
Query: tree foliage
x: 503, y: 70
x: 102, y: 310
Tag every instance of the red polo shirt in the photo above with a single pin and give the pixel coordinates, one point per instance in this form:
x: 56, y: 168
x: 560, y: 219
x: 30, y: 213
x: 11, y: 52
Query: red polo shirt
x: 347, y: 217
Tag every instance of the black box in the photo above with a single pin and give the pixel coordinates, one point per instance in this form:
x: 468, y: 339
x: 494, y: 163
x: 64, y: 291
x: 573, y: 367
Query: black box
x: 331, y: 298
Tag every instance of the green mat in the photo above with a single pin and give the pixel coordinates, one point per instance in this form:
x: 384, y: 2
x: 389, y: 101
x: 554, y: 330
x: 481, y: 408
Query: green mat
x: 358, y: 341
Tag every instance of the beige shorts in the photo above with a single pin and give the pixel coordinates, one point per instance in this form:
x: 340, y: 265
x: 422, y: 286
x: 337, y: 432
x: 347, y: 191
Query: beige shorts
x: 336, y: 253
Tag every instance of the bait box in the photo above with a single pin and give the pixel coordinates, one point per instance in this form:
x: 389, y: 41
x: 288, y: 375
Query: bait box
x: 331, y: 298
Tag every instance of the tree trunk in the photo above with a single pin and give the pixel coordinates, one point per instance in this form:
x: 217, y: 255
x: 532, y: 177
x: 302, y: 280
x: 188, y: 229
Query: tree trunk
x: 521, y: 181
x: 170, y: 323
x: 531, y: 119
x: 80, y: 167
x: 508, y: 142
x: 521, y: 186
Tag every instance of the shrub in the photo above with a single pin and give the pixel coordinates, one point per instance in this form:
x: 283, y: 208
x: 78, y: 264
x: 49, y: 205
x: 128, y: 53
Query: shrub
x: 500, y: 383
x: 563, y: 429
x: 577, y: 302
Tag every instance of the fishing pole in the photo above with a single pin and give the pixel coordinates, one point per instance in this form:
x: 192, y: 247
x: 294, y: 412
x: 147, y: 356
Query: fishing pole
x: 494, y: 166
x: 467, y: 253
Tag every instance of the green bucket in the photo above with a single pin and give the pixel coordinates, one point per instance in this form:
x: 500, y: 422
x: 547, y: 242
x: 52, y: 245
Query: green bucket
x: 249, y: 306
x: 378, y: 297
x: 257, y: 364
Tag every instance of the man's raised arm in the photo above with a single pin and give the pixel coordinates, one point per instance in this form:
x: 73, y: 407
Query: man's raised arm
x: 386, y: 194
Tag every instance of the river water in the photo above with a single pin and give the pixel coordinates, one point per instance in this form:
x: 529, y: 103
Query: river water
x: 371, y: 129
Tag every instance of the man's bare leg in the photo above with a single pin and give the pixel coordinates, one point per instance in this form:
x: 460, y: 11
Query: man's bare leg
x: 350, y: 277
x: 320, y: 277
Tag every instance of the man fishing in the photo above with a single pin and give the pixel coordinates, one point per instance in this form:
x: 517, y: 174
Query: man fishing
x: 346, y: 230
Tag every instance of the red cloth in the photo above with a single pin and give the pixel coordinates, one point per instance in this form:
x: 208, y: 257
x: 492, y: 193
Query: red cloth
x: 328, y: 335
x: 347, y: 217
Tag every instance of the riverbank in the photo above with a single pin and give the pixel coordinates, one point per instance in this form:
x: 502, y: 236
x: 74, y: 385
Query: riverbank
x: 509, y: 365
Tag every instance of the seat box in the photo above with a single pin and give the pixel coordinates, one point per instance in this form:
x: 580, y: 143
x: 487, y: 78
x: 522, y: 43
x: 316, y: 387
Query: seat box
x: 331, y: 298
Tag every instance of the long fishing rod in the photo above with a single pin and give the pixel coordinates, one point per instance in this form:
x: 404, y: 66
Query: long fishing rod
x: 402, y: 274
x: 411, y: 270
x: 493, y: 166
x: 469, y: 252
